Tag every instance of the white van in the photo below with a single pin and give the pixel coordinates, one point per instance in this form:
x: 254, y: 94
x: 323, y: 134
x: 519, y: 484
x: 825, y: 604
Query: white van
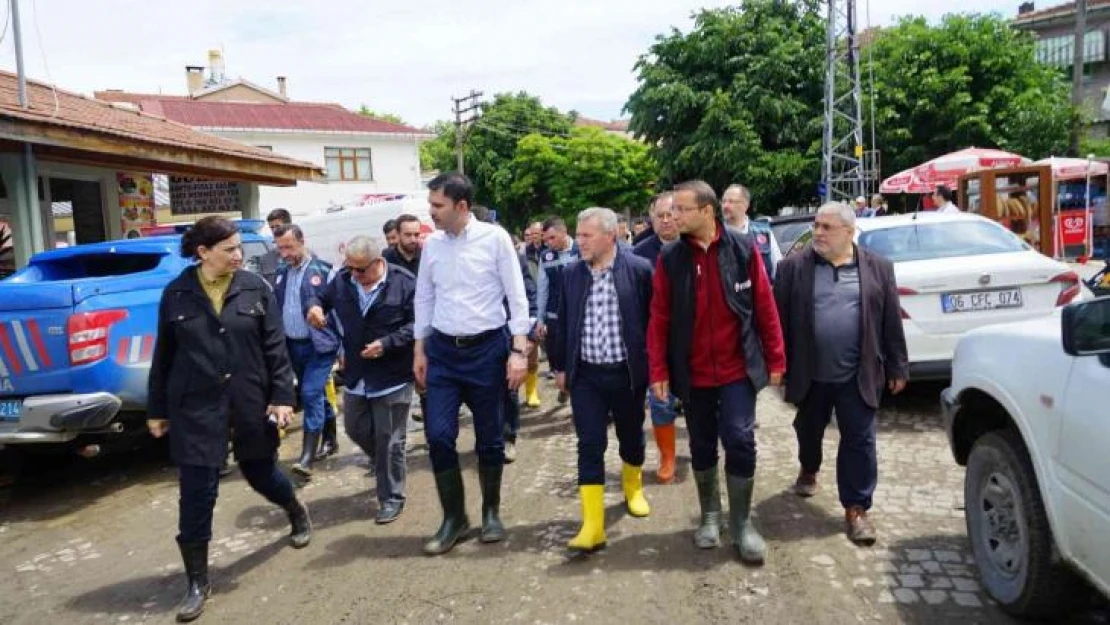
x: 326, y: 233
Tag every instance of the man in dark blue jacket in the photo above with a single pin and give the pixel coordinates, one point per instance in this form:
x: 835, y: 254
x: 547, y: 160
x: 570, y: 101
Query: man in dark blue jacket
x: 374, y: 303
x: 598, y: 349
x: 301, y: 278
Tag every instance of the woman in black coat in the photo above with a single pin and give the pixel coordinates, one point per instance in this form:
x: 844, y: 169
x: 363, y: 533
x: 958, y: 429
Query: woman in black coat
x: 220, y: 370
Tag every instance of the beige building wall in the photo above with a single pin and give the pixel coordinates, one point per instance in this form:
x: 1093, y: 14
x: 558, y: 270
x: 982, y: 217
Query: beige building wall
x: 239, y: 93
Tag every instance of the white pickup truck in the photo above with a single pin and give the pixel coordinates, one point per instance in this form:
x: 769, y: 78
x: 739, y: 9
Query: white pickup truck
x: 1028, y: 414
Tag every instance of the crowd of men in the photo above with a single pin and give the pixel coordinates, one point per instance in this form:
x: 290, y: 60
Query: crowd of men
x: 691, y: 312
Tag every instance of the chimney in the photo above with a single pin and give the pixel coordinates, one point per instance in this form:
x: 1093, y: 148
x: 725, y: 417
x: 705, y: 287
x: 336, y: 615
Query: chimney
x: 1025, y: 8
x: 216, y: 67
x: 281, y: 87
x: 194, y: 78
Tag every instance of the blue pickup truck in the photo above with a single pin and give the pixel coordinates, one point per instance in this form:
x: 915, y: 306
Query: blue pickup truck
x: 77, y: 330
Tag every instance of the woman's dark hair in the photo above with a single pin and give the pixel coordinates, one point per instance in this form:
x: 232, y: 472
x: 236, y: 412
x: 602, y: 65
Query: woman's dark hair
x: 944, y: 192
x: 208, y: 231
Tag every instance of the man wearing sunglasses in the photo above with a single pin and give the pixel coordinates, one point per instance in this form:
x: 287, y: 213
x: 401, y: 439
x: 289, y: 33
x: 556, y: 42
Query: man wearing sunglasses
x: 374, y: 302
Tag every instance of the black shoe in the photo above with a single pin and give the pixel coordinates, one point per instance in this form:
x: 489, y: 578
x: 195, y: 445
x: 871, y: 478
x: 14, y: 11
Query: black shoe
x: 195, y: 558
x: 301, y: 533
x: 329, y: 445
x: 492, y: 529
x: 452, y: 498
x: 389, y: 512
x: 303, y: 466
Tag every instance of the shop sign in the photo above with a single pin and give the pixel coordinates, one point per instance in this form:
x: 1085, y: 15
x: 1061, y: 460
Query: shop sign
x: 192, y: 196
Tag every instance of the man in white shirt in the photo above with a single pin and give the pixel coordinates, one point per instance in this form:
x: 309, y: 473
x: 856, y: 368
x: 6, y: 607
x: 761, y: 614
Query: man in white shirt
x: 942, y: 197
x: 734, y: 207
x: 463, y: 353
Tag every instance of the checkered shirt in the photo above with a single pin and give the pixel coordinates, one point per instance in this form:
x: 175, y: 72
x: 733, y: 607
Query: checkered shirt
x: 601, y: 331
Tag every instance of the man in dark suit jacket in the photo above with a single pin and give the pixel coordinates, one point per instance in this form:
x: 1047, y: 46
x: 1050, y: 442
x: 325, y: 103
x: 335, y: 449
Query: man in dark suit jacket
x: 598, y: 349
x: 841, y: 320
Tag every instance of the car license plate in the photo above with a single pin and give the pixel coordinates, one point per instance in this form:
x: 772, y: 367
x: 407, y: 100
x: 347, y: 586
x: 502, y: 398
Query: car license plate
x: 971, y: 301
x: 11, y: 409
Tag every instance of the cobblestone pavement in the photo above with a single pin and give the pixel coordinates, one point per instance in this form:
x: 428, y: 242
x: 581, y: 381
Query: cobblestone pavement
x: 92, y: 543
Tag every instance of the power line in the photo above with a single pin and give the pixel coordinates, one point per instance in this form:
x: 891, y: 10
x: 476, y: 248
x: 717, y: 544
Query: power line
x: 472, y: 109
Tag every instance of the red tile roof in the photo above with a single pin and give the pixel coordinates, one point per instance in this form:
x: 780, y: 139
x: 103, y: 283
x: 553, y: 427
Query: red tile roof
x: 70, y: 110
x: 307, y: 116
x: 1059, y: 10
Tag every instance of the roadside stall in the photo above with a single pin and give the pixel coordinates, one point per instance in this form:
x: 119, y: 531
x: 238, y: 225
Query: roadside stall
x: 1020, y: 198
x: 1082, y: 217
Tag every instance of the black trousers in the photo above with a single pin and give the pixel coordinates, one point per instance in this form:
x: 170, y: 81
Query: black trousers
x: 599, y: 391
x: 200, y: 488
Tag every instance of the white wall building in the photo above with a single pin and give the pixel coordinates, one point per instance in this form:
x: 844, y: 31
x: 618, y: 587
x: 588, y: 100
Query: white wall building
x: 361, y: 155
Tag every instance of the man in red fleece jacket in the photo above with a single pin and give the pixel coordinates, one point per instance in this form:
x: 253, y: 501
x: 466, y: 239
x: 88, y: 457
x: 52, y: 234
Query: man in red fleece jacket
x: 714, y: 340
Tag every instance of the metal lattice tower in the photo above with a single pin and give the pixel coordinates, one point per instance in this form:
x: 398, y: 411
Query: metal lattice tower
x: 846, y: 173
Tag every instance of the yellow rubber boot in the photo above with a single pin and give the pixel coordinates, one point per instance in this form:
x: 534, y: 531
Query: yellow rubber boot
x: 632, y: 480
x: 592, y: 535
x: 531, y: 394
x: 332, y: 398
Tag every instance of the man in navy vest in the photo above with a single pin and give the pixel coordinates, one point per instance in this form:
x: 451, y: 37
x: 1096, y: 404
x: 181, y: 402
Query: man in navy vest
x: 559, y: 251
x: 734, y: 206
x: 718, y: 364
x: 301, y: 279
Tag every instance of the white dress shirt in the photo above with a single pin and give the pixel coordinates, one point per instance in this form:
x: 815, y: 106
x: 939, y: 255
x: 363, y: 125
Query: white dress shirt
x: 948, y: 207
x: 465, y: 280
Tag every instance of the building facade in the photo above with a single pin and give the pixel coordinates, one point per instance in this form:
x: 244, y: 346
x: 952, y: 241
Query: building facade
x: 1054, y: 29
x: 360, y: 155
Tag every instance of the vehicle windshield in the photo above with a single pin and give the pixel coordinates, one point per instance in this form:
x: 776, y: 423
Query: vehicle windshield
x: 787, y: 233
x: 926, y: 241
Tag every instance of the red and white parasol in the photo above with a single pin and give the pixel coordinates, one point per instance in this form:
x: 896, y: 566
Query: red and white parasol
x: 948, y: 168
x: 1074, y: 168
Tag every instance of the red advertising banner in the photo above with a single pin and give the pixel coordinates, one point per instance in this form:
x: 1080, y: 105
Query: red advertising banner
x: 1073, y: 231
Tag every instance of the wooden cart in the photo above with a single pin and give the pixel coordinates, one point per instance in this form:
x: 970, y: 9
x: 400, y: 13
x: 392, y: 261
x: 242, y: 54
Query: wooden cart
x: 1020, y: 198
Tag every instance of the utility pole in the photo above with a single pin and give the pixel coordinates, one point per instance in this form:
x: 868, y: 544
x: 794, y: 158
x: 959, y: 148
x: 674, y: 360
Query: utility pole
x: 1077, y: 71
x: 845, y: 170
x: 471, y: 108
x: 28, y: 227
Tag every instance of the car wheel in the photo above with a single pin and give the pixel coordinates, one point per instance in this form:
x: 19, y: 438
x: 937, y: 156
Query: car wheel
x: 1009, y: 532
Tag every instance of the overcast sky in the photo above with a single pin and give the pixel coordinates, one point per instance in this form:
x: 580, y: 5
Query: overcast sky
x: 407, y: 57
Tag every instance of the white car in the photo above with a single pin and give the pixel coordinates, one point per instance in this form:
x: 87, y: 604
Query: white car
x: 957, y: 272
x: 1026, y: 414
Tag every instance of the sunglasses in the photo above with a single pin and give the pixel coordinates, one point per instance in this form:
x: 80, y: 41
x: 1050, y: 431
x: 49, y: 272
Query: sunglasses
x: 363, y: 269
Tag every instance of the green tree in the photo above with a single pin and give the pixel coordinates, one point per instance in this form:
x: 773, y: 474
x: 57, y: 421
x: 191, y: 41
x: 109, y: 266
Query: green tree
x: 564, y: 175
x: 970, y: 81
x: 385, y: 117
x: 439, y: 152
x: 738, y: 99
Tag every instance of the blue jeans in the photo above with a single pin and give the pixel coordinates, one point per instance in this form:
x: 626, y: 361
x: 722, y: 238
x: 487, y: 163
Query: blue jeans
x: 472, y: 375
x: 312, y: 370
x: 200, y: 486
x: 596, y: 393
x: 726, y: 412
x: 662, y: 412
x: 857, y: 464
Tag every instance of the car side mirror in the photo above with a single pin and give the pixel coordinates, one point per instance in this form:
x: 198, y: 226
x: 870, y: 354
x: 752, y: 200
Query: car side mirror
x: 1086, y: 327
